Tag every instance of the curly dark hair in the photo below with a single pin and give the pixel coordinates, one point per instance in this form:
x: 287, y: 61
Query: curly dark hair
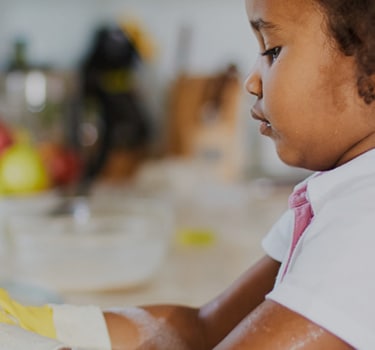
x: 352, y: 25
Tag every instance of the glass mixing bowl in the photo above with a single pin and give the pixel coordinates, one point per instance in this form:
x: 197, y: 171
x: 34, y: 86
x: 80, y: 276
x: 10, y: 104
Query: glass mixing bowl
x: 113, y: 243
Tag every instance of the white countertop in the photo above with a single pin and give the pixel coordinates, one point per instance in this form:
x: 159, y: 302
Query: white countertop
x: 193, y: 274
x: 236, y: 216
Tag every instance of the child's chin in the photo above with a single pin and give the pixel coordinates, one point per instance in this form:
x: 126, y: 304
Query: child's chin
x: 296, y: 161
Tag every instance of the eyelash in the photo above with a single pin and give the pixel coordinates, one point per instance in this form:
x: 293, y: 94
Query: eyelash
x: 273, y: 53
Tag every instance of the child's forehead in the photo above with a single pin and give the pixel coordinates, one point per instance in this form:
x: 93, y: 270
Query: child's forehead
x: 288, y: 11
x: 284, y: 19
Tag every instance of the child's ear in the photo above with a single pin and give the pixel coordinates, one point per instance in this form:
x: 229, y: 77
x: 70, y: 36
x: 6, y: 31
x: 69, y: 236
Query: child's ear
x: 366, y: 88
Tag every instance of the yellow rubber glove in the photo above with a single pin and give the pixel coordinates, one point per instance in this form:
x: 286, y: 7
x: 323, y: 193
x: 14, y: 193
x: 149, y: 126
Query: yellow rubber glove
x: 38, y: 319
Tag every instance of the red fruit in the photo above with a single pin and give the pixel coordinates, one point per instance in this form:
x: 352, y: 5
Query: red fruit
x: 6, y: 137
x: 62, y: 163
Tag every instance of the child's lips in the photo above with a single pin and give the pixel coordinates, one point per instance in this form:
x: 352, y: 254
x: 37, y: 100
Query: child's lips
x: 265, y: 125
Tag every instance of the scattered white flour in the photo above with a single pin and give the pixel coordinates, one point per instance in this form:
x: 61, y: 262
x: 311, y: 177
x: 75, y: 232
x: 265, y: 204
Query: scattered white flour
x: 155, y: 333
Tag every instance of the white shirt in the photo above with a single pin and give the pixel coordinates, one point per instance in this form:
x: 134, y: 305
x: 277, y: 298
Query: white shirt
x: 331, y: 275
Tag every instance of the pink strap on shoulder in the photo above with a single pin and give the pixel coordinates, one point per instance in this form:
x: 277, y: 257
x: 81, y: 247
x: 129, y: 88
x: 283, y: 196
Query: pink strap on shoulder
x: 302, y: 217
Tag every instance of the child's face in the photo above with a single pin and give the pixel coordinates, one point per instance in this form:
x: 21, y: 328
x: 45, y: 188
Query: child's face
x: 306, y: 90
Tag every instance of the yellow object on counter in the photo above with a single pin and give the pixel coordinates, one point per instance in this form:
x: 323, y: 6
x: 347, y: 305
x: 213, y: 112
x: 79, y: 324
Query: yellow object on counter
x: 196, y: 237
x: 38, y: 319
x: 82, y: 327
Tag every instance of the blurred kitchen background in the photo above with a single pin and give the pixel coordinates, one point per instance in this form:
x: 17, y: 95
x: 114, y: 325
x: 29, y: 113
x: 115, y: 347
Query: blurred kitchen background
x: 174, y: 38
x: 138, y: 98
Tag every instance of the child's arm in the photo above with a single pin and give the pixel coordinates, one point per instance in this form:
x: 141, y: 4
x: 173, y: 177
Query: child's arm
x: 269, y: 326
x: 272, y: 326
x: 188, y: 328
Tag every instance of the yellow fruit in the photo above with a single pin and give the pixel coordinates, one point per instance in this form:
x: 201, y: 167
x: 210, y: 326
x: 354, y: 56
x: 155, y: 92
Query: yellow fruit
x: 22, y: 170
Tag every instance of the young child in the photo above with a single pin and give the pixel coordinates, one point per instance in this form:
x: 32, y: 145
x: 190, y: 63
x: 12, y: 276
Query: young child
x: 314, y: 289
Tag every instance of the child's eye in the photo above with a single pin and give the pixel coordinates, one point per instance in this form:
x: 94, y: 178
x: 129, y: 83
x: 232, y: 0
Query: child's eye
x: 272, y: 53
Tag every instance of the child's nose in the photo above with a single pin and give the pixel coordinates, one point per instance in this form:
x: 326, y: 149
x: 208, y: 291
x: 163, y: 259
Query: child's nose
x: 253, y: 83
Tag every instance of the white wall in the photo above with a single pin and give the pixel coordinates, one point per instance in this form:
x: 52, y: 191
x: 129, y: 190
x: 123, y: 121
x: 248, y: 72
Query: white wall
x: 59, y: 30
